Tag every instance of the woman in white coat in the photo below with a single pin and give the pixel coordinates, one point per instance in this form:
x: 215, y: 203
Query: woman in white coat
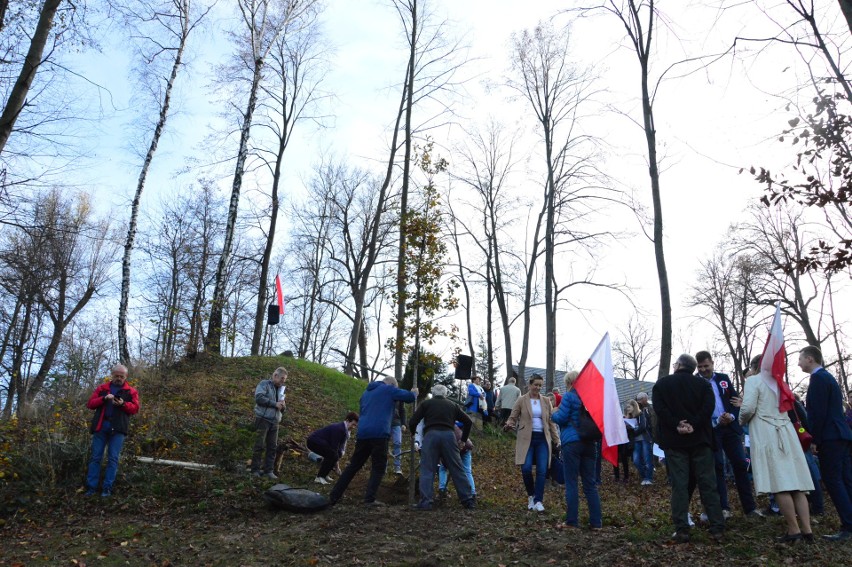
x: 777, y: 461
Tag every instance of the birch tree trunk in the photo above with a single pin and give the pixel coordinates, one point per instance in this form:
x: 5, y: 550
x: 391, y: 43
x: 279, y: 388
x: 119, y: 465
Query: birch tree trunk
x: 265, y: 21
x: 212, y: 342
x: 183, y: 8
x: 34, y: 59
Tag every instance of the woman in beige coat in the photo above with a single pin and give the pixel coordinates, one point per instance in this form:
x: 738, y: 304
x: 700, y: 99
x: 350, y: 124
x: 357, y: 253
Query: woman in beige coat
x: 535, y: 435
x: 777, y: 462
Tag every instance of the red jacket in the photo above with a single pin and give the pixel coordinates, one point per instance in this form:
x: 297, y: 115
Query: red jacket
x: 120, y: 414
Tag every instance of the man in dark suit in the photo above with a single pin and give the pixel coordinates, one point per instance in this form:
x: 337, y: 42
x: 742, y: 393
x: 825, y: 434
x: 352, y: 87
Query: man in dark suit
x: 728, y: 436
x: 832, y: 437
x: 684, y: 405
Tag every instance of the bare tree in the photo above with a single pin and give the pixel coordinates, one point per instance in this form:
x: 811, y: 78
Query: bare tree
x: 297, y: 66
x: 487, y: 161
x: 639, y: 19
x: 634, y: 351
x: 819, y: 175
x: 163, y: 28
x: 778, y: 237
x: 264, y: 21
x: 181, y: 252
x: 724, y: 287
x: 556, y: 92
x: 65, y: 254
x: 34, y: 59
x: 430, y: 72
x: 463, y: 270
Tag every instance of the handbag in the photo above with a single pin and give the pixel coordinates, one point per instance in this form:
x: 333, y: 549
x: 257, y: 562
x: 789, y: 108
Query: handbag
x: 805, y: 438
x: 557, y: 472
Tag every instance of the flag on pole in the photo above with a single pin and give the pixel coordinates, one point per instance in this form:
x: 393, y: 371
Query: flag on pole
x: 279, y: 291
x: 596, y: 387
x: 773, y: 363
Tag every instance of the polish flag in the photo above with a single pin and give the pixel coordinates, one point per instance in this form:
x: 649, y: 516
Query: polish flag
x: 773, y: 364
x: 596, y: 387
x: 279, y: 292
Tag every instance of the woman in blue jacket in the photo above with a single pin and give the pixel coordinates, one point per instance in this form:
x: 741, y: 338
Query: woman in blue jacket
x: 578, y: 460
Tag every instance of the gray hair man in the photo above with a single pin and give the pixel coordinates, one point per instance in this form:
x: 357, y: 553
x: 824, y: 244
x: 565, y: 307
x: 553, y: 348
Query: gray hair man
x: 684, y: 404
x: 506, y: 399
x: 268, y: 408
x: 439, y: 416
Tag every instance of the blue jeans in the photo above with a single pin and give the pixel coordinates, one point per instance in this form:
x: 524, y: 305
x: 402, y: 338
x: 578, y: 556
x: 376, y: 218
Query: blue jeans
x: 467, y: 466
x: 441, y: 445
x: 537, y: 455
x: 598, y: 463
x: 396, y: 444
x: 578, y: 460
x: 643, y: 458
x: 112, y: 442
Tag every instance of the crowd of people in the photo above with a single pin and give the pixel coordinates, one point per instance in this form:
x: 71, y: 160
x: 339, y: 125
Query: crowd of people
x: 695, y: 416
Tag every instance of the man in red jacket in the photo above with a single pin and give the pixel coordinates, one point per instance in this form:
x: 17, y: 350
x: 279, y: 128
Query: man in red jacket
x: 114, y: 402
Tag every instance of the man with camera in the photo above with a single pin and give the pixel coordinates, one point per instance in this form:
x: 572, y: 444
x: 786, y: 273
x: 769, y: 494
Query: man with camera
x: 114, y: 402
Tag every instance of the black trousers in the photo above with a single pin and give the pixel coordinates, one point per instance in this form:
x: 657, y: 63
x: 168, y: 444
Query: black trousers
x: 374, y: 449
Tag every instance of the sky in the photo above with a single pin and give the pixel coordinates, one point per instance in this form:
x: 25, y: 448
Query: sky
x: 714, y: 116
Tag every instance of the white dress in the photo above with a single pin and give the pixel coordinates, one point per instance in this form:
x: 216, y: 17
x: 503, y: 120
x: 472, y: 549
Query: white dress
x: 777, y: 460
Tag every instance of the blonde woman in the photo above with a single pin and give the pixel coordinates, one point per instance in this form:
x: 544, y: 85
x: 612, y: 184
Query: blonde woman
x: 536, y: 434
x: 578, y: 460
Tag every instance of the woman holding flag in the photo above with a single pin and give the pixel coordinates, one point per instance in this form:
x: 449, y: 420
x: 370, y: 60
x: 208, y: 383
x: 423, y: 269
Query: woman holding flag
x: 777, y: 461
x: 578, y: 457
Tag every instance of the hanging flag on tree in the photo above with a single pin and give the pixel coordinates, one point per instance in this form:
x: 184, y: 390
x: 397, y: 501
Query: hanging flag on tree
x: 279, y: 292
x: 596, y: 387
x: 773, y: 363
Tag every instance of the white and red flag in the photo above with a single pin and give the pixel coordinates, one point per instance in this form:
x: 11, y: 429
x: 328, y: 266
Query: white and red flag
x: 279, y: 292
x: 773, y: 363
x: 596, y: 387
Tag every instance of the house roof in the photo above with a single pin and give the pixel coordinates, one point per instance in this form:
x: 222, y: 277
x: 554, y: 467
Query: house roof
x: 627, y: 389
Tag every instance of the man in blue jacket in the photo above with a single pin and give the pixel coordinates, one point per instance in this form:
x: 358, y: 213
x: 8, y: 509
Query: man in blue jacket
x: 374, y: 429
x: 728, y: 436
x: 832, y: 437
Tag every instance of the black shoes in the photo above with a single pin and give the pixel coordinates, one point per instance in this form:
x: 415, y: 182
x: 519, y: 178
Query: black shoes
x: 681, y: 536
x: 790, y: 538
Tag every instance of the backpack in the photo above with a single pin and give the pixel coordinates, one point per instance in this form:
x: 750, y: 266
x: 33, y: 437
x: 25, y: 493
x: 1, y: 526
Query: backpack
x: 588, y: 429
